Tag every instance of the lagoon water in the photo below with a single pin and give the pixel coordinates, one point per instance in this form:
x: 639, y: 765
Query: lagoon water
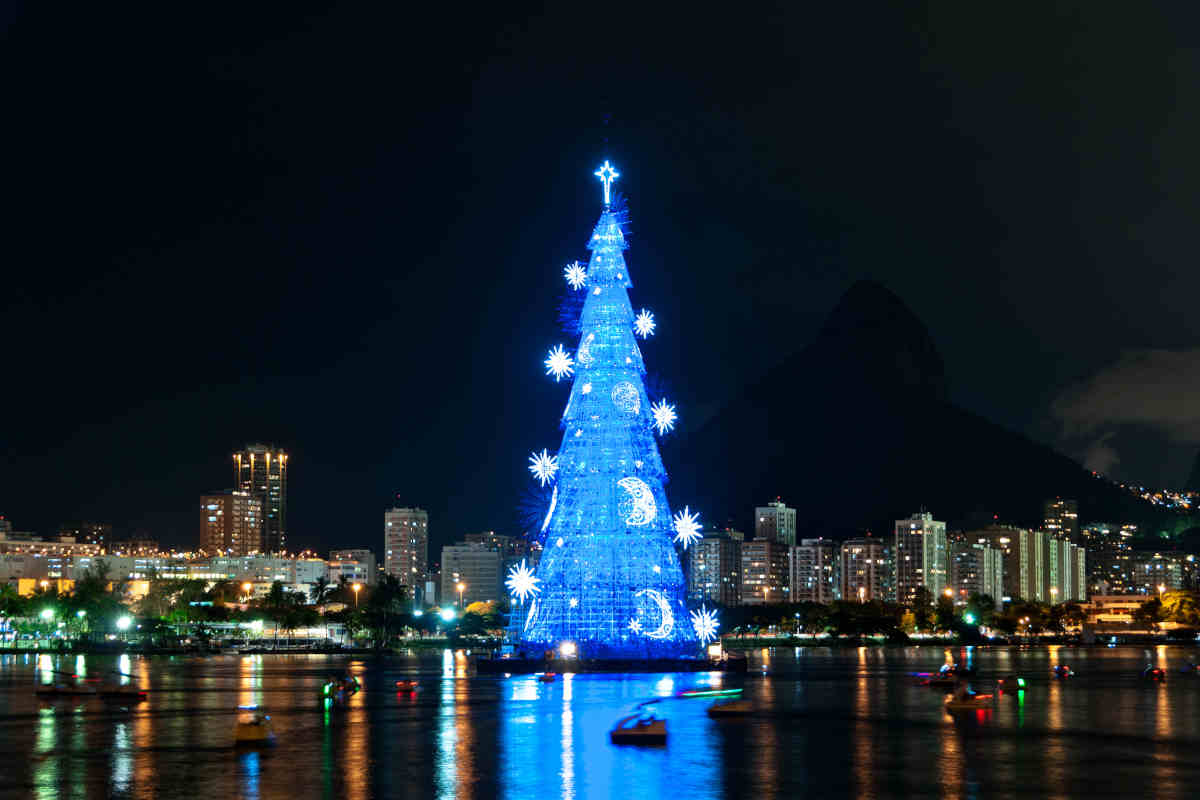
x: 834, y: 723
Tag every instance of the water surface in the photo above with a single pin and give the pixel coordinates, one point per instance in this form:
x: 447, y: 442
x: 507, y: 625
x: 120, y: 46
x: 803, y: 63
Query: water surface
x: 834, y: 723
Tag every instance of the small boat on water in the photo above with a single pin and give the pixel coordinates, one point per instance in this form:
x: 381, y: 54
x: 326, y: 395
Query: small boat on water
x: 641, y: 729
x: 548, y: 677
x: 1154, y: 674
x: 406, y: 687
x: 253, y: 727
x: 1062, y: 671
x: 731, y: 708
x: 970, y: 702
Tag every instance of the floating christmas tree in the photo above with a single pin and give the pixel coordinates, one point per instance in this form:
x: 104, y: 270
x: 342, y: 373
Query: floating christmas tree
x: 609, y: 581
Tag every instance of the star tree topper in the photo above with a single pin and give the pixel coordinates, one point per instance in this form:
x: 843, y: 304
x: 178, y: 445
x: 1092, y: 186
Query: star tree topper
x: 607, y: 175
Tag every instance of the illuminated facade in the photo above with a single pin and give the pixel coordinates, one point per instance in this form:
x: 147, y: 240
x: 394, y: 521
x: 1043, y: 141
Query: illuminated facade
x: 609, y: 579
x: 1060, y: 519
x: 866, y: 570
x: 814, y: 572
x: 476, y: 568
x: 356, y: 566
x: 231, y: 522
x: 715, y: 569
x: 976, y: 569
x: 406, y: 545
x: 263, y: 470
x: 764, y: 573
x: 920, y: 557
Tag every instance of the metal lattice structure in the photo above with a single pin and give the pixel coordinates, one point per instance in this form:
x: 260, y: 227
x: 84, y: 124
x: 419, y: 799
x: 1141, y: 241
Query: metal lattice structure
x: 609, y: 580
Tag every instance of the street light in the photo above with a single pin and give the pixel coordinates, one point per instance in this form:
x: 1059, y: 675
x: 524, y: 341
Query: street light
x: 356, y: 588
x: 246, y: 588
x: 47, y: 614
x: 1161, y: 588
x: 862, y: 594
x: 460, y: 586
x: 123, y: 623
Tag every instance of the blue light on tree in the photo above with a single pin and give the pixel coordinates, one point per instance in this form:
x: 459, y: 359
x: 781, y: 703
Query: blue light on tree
x: 610, y: 579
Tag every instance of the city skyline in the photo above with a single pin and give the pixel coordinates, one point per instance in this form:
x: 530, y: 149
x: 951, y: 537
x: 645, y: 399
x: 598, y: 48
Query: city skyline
x: 368, y: 268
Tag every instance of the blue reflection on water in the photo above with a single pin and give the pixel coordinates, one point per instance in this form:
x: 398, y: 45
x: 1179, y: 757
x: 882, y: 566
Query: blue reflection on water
x: 554, y: 739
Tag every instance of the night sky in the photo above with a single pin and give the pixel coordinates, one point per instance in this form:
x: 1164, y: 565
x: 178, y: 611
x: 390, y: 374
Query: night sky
x: 343, y: 232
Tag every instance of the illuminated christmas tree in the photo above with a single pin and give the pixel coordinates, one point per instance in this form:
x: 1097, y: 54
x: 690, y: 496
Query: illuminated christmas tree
x: 609, y: 581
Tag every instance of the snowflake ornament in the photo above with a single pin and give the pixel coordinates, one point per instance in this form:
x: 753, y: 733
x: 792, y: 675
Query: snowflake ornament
x: 559, y: 363
x: 644, y: 324
x: 664, y: 416
x: 522, y: 583
x: 635, y: 625
x: 543, y: 466
x: 687, y: 527
x: 575, y: 274
x: 705, y: 624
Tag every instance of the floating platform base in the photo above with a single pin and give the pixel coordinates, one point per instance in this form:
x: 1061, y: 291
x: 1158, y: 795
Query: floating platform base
x: 527, y: 666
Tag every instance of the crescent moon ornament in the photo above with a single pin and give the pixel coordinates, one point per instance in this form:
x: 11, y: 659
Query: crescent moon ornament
x: 584, y: 356
x: 666, y: 618
x: 637, y: 507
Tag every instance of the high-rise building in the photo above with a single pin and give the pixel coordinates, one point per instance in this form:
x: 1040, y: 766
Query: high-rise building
x: 406, y: 545
x: 231, y: 523
x: 813, y: 572
x: 1060, y: 519
x: 976, y: 569
x: 357, y: 566
x: 1022, y: 554
x: 764, y: 572
x: 920, y: 557
x: 473, y: 567
x: 5, y: 525
x: 715, y: 569
x: 88, y: 532
x: 866, y: 570
x: 1109, y: 558
x: 263, y: 470
x: 776, y: 522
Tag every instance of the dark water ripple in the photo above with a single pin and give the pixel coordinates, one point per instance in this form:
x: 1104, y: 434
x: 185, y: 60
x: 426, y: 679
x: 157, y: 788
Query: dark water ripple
x: 831, y: 723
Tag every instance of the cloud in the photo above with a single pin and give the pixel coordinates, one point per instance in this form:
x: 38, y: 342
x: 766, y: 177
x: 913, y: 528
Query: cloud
x: 1159, y: 389
x: 1100, y: 456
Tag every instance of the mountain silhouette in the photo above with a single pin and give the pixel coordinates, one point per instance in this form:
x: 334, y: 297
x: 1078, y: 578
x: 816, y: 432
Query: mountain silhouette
x: 856, y: 430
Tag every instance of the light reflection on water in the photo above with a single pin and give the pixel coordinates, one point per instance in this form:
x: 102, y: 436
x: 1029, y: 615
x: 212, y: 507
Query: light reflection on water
x: 836, y: 723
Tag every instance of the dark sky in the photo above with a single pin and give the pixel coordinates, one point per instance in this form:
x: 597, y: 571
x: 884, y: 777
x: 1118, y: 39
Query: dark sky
x: 342, y: 231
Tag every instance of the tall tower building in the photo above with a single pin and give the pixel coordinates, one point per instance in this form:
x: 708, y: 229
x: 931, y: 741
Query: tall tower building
x: 775, y: 522
x: 815, y: 572
x: 406, y: 545
x: 921, y: 557
x: 764, y: 573
x: 261, y: 470
x: 231, y: 523
x: 865, y: 570
x: 715, y: 569
x: 1061, y: 519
